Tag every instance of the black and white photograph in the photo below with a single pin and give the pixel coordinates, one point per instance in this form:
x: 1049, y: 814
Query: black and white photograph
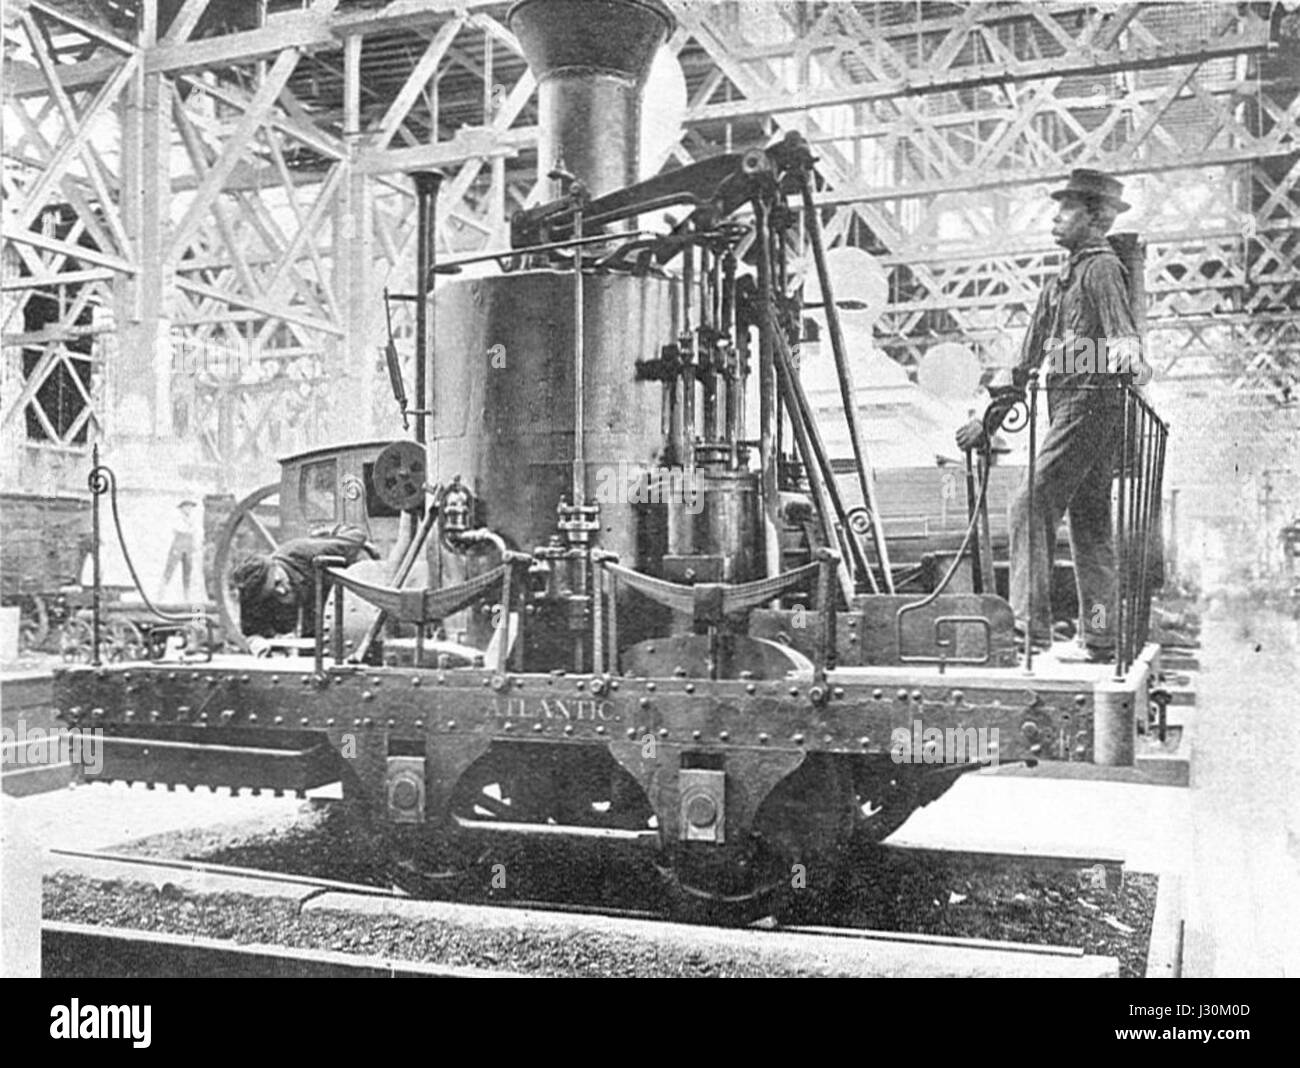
x: 651, y: 488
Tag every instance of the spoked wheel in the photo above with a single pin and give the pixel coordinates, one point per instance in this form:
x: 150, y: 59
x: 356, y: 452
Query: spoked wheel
x: 787, y: 866
x: 528, y: 819
x: 125, y: 641
x: 244, y: 532
x: 75, y: 637
x: 119, y: 640
x: 553, y: 785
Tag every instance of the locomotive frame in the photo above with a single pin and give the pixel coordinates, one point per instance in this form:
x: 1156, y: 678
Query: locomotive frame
x: 740, y: 718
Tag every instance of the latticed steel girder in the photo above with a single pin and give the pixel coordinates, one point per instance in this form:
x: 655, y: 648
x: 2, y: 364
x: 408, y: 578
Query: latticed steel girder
x: 1002, y: 94
x: 291, y: 148
x: 865, y: 52
x: 267, y: 245
x: 939, y: 133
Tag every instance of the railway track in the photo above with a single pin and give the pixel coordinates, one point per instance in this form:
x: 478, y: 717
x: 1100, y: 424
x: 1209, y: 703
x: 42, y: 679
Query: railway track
x: 262, y: 881
x: 86, y: 950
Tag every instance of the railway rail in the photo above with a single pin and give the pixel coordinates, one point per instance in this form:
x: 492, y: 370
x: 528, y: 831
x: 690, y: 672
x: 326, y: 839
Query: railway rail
x: 81, y: 950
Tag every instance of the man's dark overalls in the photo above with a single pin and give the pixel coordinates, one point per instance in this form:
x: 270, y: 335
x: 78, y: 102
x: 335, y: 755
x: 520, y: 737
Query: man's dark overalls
x: 1088, y: 302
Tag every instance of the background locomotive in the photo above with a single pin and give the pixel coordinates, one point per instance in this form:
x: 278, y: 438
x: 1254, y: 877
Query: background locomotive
x: 626, y: 603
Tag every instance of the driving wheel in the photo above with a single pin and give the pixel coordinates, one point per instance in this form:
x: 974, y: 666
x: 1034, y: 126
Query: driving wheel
x: 787, y: 866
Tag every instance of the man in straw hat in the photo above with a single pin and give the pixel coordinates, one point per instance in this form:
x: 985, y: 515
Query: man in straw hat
x: 1084, y: 331
x: 181, y: 550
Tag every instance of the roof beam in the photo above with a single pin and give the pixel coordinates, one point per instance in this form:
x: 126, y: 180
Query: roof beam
x: 186, y: 19
x: 863, y: 194
x: 417, y: 80
x: 90, y: 29
x: 264, y: 307
x: 469, y: 143
x: 970, y: 78
x: 259, y: 108
x: 308, y: 30
x: 76, y: 252
x: 311, y: 136
x: 66, y: 278
x: 300, y: 30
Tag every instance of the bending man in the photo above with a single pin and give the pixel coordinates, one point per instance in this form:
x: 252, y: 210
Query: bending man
x: 278, y: 590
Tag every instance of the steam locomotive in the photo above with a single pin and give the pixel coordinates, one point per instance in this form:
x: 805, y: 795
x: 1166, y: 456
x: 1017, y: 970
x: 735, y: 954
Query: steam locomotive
x: 641, y: 615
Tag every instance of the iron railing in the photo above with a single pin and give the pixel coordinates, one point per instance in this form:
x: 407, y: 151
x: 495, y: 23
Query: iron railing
x: 1136, y: 511
x: 1139, y: 545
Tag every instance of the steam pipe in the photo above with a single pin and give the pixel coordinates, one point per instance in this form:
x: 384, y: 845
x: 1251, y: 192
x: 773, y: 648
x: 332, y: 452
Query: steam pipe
x: 687, y: 346
x: 736, y: 380
x: 767, y: 409
x: 708, y: 346
x: 426, y: 194
x: 96, y: 579
x: 579, y: 372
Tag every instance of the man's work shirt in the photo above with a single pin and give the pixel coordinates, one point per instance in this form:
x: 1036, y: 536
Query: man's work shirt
x: 266, y: 615
x: 182, y: 534
x: 1082, y: 323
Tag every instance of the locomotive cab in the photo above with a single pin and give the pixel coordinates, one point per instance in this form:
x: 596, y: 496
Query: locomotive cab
x: 319, y: 490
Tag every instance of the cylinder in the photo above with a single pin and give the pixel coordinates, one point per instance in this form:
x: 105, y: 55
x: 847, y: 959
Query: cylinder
x: 591, y: 59
x: 730, y: 521
x: 504, y: 403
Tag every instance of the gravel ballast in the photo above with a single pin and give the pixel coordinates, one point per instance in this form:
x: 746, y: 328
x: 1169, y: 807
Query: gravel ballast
x: 951, y: 895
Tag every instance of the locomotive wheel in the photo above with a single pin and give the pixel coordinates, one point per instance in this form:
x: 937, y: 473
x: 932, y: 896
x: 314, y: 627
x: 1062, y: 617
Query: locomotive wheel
x: 546, y: 785
x: 242, y: 527
x: 787, y: 866
x: 725, y: 885
x: 555, y: 785
x: 428, y: 863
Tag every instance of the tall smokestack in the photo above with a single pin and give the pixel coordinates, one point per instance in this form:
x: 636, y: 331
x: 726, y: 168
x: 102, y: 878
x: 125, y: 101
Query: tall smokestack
x: 591, y: 58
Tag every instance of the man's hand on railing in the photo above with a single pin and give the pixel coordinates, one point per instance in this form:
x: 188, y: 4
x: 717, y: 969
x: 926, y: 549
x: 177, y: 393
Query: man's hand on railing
x: 259, y: 646
x: 971, y: 436
x: 976, y: 433
x: 1008, y: 394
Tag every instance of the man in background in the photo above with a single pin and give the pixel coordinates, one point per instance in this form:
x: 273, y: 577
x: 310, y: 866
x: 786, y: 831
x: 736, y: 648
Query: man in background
x: 181, y: 551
